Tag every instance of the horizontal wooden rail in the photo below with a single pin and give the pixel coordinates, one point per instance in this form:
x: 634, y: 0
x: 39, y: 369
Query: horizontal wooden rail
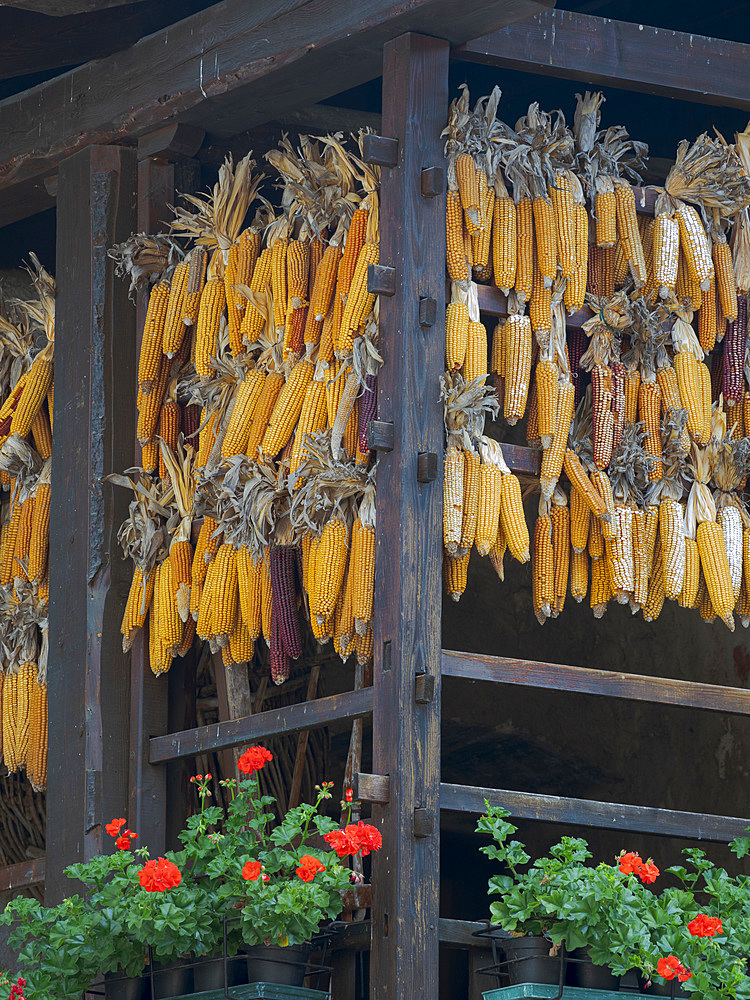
x: 631, y: 56
x: 31, y: 872
x: 522, y: 459
x: 282, y: 721
x: 559, y: 677
x: 585, y: 812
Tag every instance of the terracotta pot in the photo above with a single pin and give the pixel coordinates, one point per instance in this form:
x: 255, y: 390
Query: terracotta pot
x: 270, y: 964
x: 530, y: 961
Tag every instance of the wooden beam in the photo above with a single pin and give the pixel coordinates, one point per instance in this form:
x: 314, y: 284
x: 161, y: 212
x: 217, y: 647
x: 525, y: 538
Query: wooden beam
x: 611, y: 683
x: 24, y: 873
x: 584, y: 812
x: 225, y: 69
x: 62, y: 8
x: 279, y: 722
x: 406, y: 740
x: 607, y: 53
x: 89, y: 581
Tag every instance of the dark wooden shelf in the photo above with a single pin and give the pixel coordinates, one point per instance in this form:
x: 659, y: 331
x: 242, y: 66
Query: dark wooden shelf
x: 585, y: 812
x: 584, y: 680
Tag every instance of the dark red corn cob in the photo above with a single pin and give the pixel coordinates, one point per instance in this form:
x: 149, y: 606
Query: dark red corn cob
x: 284, y: 599
x: 368, y: 403
x: 618, y: 401
x: 191, y: 421
x: 715, y: 362
x: 280, y: 662
x: 733, y: 361
x: 577, y: 344
x: 296, y: 343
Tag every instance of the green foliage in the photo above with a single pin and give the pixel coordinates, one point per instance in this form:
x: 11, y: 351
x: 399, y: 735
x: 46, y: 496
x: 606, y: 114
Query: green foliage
x: 624, y: 923
x: 109, y: 928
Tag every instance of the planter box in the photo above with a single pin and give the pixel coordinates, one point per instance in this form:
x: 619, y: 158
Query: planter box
x: 260, y: 991
x: 531, y: 991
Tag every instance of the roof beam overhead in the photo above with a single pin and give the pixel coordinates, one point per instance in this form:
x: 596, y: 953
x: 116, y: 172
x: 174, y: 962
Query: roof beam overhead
x: 608, y: 53
x: 226, y: 69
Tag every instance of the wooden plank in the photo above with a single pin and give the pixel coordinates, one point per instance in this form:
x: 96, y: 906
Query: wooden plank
x: 89, y: 581
x: 61, y: 8
x: 372, y: 787
x: 147, y: 785
x: 24, y: 873
x: 584, y: 680
x: 282, y: 721
x: 607, y: 53
x: 522, y: 459
x: 225, y: 69
x: 585, y: 812
x: 406, y: 741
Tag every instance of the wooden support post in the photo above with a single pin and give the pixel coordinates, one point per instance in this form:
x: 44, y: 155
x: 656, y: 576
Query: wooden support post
x: 406, y: 741
x: 94, y: 428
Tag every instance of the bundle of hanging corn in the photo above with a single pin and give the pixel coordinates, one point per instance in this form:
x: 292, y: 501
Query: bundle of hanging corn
x: 257, y: 341
x: 26, y: 383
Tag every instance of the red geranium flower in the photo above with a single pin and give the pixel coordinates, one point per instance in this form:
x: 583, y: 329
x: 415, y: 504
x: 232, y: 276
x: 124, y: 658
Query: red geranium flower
x: 349, y: 795
x: 160, y: 875
x: 369, y: 838
x: 670, y: 967
x: 253, y: 759
x: 630, y: 863
x: 251, y: 871
x: 344, y: 842
x: 648, y: 872
x: 309, y: 867
x: 704, y: 926
x: 122, y: 843
x: 16, y: 990
x: 113, y: 828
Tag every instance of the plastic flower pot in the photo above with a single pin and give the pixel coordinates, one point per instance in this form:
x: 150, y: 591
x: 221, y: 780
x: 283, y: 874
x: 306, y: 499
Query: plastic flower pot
x: 117, y: 987
x: 661, y: 988
x: 587, y: 975
x: 271, y: 964
x: 209, y: 975
x: 172, y: 980
x: 529, y: 961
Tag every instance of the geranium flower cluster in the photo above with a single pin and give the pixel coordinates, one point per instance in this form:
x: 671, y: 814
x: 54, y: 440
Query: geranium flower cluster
x: 309, y: 867
x: 253, y: 870
x: 16, y: 990
x: 355, y: 837
x: 122, y: 840
x: 704, y: 926
x: 253, y: 759
x: 671, y: 967
x: 633, y: 864
x: 159, y: 875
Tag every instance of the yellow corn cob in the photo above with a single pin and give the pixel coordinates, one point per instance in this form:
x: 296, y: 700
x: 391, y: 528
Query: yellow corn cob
x: 655, y: 600
x: 672, y: 547
x: 641, y: 566
x: 174, y: 326
x: 540, y: 306
x: 517, y: 331
x: 554, y: 456
x: 197, y: 262
x: 649, y: 411
x: 250, y: 581
x: 363, y: 570
x: 725, y: 279
x: 331, y: 557
x: 603, y: 486
x: 457, y: 262
x: 488, y: 513
x: 480, y: 241
x: 546, y: 239
x: 297, y: 272
x: 580, y: 517
x: 666, y: 251
x: 715, y: 565
x: 359, y: 301
x: 543, y: 569
x: 630, y: 237
x: 241, y: 646
x: 605, y: 210
x: 287, y: 408
x: 690, y: 383
x: 575, y: 290
x: 272, y: 387
x: 456, y: 335
x: 504, y: 243
x: 470, y: 500
x: 266, y: 597
x: 580, y: 480
x: 623, y: 555
x: 546, y: 387
x: 532, y: 417
x: 513, y: 519
x: 560, y: 518
x: 246, y: 398
x: 455, y: 572
x: 707, y: 318
x: 226, y: 594
x: 596, y: 539
x: 563, y: 203
x: 153, y: 330
x: 39, y: 541
x: 497, y: 553
x: 475, y: 362
x: 695, y: 246
x: 34, y: 394
x: 278, y: 283
x: 469, y: 179
x: 313, y: 417
x: 207, y: 330
x: 355, y: 240
x: 690, y: 582
x: 525, y: 249
x: 42, y: 433
x: 579, y: 575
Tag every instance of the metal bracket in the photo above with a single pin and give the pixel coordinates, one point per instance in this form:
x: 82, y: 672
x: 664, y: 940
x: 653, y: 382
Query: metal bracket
x: 424, y: 822
x: 380, y: 435
x: 426, y: 467
x: 432, y: 182
x: 380, y: 150
x: 381, y: 279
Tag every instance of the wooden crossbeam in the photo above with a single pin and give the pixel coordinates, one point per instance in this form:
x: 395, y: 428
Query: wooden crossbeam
x: 621, y: 54
x: 611, y: 683
x: 585, y: 812
x: 24, y: 873
x: 280, y: 722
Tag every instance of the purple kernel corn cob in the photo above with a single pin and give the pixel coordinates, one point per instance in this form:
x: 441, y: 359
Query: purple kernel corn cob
x: 368, y: 402
x: 280, y: 662
x: 733, y: 361
x: 284, y: 599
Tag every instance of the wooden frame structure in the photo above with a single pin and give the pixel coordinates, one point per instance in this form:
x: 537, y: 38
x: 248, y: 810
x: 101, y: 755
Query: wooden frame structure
x: 112, y: 173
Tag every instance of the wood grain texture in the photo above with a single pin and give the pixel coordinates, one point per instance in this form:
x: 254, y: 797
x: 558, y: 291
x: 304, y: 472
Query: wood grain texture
x: 62, y: 8
x: 584, y: 812
x: 89, y: 581
x: 406, y: 740
x: 225, y: 69
x: 291, y: 719
x: 611, y: 683
x: 31, y: 872
x: 609, y: 53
